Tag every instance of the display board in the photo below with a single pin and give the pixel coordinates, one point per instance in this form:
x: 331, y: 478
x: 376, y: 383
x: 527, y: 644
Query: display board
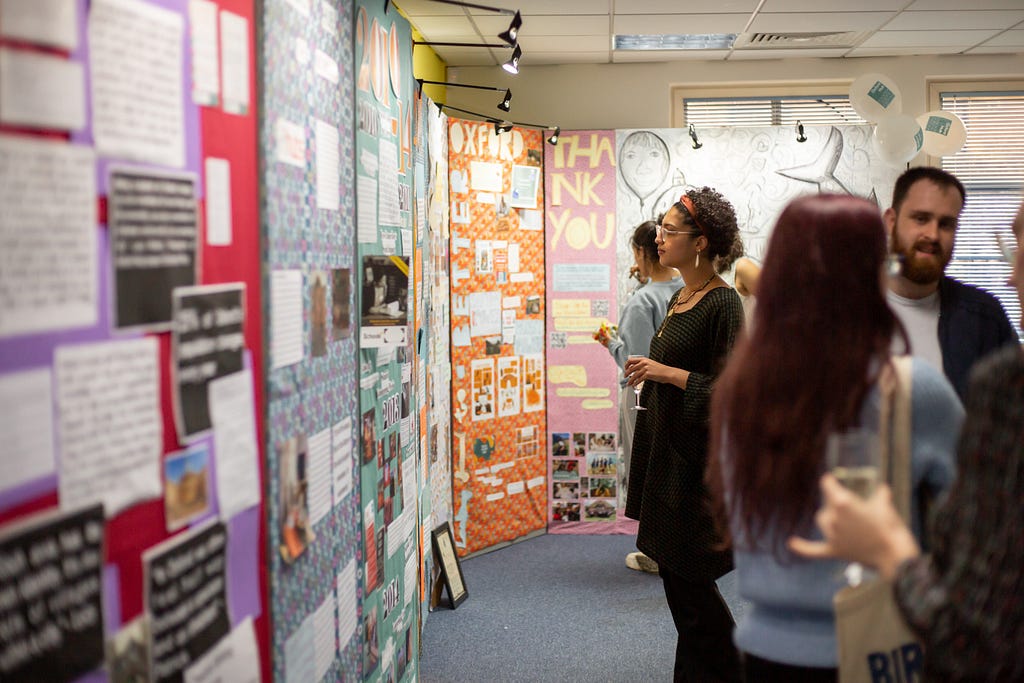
x: 131, y: 355
x: 497, y: 318
x: 306, y: 143
x: 585, y: 471
x: 388, y: 345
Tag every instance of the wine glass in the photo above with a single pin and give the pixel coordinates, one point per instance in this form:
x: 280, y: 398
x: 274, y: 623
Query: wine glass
x: 853, y: 459
x: 639, y: 386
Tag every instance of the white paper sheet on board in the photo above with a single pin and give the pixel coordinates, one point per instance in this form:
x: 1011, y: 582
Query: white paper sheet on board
x: 48, y: 243
x: 325, y: 67
x: 109, y: 425
x: 202, y: 26
x: 44, y: 22
x: 341, y: 454
x: 485, y: 313
x: 286, y: 342
x: 486, y: 176
x: 324, y: 627
x: 525, y: 181
x: 300, y: 654
x: 319, y: 475
x: 41, y: 91
x: 387, y: 183
x: 26, y: 422
x: 233, y: 415
x: 348, y: 617
x: 234, y: 63
x: 132, y: 45
x: 218, y: 202
x: 328, y: 179
x: 235, y: 658
x: 366, y: 209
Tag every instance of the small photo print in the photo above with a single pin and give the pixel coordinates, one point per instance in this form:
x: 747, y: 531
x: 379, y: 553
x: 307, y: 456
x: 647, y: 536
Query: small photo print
x: 603, y: 442
x: 602, y: 487
x: 566, y: 490
x: 186, y: 486
x: 295, y: 530
x: 369, y: 439
x: 533, y: 304
x: 601, y: 463
x: 127, y: 653
x: 341, y: 303
x: 560, y: 444
x: 584, y: 484
x: 579, y: 444
x: 598, y: 511
x: 565, y: 469
x: 318, y: 313
x: 371, y: 649
x: 385, y: 291
x: 563, y: 511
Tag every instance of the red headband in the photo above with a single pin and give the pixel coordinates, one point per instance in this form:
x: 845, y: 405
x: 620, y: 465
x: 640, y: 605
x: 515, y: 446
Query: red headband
x: 688, y: 203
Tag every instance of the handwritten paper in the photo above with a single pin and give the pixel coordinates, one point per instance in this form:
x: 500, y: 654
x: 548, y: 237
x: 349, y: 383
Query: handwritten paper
x: 48, y: 272
x: 366, y: 209
x: 41, y: 91
x: 328, y: 179
x: 218, y: 202
x: 109, y: 426
x: 132, y: 45
x: 348, y: 617
x: 324, y: 647
x: 202, y: 27
x: 387, y: 183
x: 319, y: 476
x: 341, y: 456
x: 233, y: 414
x: 286, y: 345
x: 26, y: 422
x: 234, y: 65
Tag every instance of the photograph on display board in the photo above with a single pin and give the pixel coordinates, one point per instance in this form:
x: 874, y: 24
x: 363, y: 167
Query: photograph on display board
x: 526, y: 442
x: 508, y: 386
x: 128, y: 652
x: 579, y: 444
x: 565, y: 511
x: 369, y: 439
x: 565, y: 469
x: 370, y: 548
x: 533, y: 383
x: 584, y: 484
x: 385, y: 302
x: 601, y: 487
x: 341, y: 296
x: 296, y: 532
x: 560, y: 444
x: 186, y: 486
x: 601, y: 442
x: 565, y: 490
x: 371, y: 650
x: 484, y: 257
x: 483, y: 389
x: 318, y: 313
x: 601, y: 463
x: 598, y: 511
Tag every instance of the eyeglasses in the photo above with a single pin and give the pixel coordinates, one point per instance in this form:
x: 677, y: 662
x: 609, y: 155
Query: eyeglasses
x: 665, y: 232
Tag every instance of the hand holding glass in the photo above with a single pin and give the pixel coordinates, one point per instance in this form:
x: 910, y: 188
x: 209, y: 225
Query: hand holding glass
x: 853, y: 459
x: 638, y: 387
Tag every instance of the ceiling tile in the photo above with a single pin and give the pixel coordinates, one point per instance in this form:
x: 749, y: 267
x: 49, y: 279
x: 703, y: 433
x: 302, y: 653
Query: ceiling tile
x: 817, y: 6
x: 691, y: 7
x: 818, y: 21
x: 546, y: 58
x: 954, y: 39
x: 564, y: 8
x: 414, y: 8
x: 959, y: 4
x: 899, y: 51
x: 444, y: 28
x: 958, y: 19
x: 467, y: 56
x: 673, y: 24
x: 564, y: 43
x: 539, y: 25
x: 1007, y: 39
x: 739, y: 55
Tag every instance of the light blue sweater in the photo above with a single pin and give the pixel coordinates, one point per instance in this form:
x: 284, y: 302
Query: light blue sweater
x: 640, y: 318
x: 790, y: 619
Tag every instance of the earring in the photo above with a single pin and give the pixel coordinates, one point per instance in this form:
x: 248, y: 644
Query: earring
x: 697, y: 264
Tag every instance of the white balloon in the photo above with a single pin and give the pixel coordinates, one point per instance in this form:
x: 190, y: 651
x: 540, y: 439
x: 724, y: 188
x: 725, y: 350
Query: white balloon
x: 875, y: 97
x: 898, y: 139
x: 944, y: 133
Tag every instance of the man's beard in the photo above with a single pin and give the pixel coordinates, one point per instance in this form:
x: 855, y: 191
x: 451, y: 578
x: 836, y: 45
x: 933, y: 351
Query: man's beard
x: 918, y: 269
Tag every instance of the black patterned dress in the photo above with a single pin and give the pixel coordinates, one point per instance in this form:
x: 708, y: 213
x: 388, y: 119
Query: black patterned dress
x: 670, y: 446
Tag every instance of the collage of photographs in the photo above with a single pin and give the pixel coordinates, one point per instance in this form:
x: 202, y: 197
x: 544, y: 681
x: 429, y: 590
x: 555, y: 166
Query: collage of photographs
x: 583, y: 476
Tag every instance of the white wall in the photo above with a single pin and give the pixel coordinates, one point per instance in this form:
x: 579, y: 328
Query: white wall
x: 581, y: 96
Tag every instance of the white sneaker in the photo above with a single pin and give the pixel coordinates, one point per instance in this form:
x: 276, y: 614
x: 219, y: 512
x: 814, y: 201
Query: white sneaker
x: 641, y: 563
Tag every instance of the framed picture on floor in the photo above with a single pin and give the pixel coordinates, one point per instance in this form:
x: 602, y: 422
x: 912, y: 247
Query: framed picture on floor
x: 451, y: 569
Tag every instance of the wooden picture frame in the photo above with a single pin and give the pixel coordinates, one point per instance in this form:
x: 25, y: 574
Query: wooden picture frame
x: 448, y: 560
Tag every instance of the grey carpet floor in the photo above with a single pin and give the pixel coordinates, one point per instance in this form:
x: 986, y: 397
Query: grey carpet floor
x: 555, y: 608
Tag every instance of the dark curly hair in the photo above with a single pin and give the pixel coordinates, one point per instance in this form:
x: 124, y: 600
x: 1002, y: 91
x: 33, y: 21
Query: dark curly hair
x: 718, y: 224
x: 643, y: 240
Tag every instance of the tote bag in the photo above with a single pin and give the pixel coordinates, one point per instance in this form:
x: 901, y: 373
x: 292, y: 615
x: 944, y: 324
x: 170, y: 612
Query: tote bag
x: 875, y: 645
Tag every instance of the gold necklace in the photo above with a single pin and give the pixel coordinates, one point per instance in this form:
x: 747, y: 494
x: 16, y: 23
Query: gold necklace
x: 685, y: 301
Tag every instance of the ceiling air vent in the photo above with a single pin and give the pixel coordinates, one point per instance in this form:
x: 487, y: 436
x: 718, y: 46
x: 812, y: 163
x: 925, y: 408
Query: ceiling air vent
x: 763, y: 41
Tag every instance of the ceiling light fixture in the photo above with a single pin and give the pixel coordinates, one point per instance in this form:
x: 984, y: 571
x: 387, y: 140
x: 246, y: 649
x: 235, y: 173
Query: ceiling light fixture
x: 504, y: 105
x: 800, y: 137
x: 697, y: 41
x: 512, y: 65
x: 552, y: 139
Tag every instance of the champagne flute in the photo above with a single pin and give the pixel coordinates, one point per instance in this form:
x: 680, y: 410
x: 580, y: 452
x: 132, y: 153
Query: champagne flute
x: 853, y: 459
x: 639, y: 386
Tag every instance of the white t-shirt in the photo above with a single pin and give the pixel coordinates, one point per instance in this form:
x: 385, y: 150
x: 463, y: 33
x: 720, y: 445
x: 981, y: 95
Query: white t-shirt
x: 921, y: 319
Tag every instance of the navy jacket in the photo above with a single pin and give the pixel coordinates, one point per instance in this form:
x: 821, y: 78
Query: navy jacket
x: 972, y: 324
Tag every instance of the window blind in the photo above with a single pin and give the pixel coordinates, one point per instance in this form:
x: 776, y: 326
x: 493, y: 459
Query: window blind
x: 811, y: 110
x: 989, y: 166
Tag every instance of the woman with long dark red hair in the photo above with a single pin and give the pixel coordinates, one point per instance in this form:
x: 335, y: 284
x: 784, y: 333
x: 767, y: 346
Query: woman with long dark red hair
x: 821, y: 335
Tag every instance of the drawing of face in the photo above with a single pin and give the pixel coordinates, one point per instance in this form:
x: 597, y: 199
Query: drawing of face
x: 643, y: 162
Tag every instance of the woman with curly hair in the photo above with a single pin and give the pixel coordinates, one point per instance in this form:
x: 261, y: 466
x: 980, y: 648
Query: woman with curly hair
x: 698, y: 236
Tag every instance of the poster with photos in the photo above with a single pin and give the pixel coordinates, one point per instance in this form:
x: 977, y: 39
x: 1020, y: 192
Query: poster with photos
x: 508, y: 386
x: 533, y: 383
x: 482, y: 395
x: 385, y: 304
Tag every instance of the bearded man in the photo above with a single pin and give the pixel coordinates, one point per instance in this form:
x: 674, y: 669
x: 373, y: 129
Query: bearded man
x: 950, y: 324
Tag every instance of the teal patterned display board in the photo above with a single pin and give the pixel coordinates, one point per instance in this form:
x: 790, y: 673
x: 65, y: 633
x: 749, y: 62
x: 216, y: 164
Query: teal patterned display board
x: 389, y: 377
x: 308, y: 213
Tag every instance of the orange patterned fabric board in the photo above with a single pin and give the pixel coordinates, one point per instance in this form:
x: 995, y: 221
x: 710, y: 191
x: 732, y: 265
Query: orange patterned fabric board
x: 497, y: 316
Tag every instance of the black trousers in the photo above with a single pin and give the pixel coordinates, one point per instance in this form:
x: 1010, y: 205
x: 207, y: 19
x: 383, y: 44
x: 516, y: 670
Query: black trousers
x: 704, y: 652
x: 757, y: 670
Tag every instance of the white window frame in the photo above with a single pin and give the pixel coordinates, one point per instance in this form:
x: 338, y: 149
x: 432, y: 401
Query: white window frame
x: 679, y: 93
